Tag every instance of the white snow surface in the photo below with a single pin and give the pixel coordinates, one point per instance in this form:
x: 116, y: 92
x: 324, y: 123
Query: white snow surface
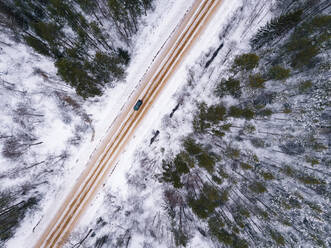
x: 155, y: 29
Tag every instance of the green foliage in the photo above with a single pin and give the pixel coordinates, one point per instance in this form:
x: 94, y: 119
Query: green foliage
x: 217, y: 179
x: 223, y: 174
x: 244, y: 212
x: 288, y: 171
x: 105, y: 67
x: 232, y: 153
x: 305, y: 86
x: 212, y: 194
x: 181, y: 238
x: 206, y: 161
x: 279, y: 73
x: 237, y: 112
x: 305, y: 56
x: 257, y: 142
x: 191, y: 146
x: 317, y: 208
x: 183, y: 163
x: 249, y: 128
x: 267, y: 176
x: 246, y: 166
x: 215, y: 113
x: 276, y: 28
x: 170, y: 174
x: 201, y: 207
x: 246, y: 61
x: 208, y: 116
x: 37, y: 45
x: 248, y: 113
x: 49, y: 32
x: 226, y: 127
x: 63, y: 30
x: 308, y: 40
x: 124, y: 56
x: 263, y: 214
x: 277, y: 237
x: 228, y: 239
x: 307, y: 179
x: 75, y: 74
x: 228, y: 87
x: 266, y: 112
x: 224, y: 196
x: 256, y: 81
x: 313, y: 161
x: 12, y: 213
x: 208, y: 200
x: 257, y: 187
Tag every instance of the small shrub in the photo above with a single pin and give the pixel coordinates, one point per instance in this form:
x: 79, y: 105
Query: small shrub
x: 248, y: 113
x: 266, y: 112
x: 201, y: 207
x: 37, y: 45
x: 214, y: 225
x: 256, y: 81
x: 224, y: 197
x: 180, y: 164
x: 267, y: 176
x: 226, y: 127
x: 247, y: 61
x: 304, y: 57
x: 181, y: 238
x: 244, y: 212
x: 279, y: 73
x: 229, y: 87
x: 215, y: 113
x: 191, y: 147
x: 170, y: 174
x: 218, y: 133
x: 257, y: 142
x: 305, y: 86
x: 257, y: 187
x: 206, y: 161
x: 232, y: 152
x: 317, y: 208
x: 277, y: 237
x: 313, y: 161
x: 235, y: 112
x: 249, y: 128
x: 306, y: 179
x: 288, y: 171
x: 223, y: 174
x: 217, y: 179
x: 246, y: 166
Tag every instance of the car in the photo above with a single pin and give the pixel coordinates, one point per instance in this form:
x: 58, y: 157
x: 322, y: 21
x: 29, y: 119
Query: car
x: 138, y: 104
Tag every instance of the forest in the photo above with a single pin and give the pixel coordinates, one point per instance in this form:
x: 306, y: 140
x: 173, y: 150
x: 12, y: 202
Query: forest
x: 89, y: 41
x: 255, y: 170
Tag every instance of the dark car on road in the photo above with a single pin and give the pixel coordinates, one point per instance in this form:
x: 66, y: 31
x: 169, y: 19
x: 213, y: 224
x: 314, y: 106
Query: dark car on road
x: 137, y: 105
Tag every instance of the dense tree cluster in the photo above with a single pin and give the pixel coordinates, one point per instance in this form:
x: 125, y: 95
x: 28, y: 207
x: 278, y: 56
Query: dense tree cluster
x: 79, y: 35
